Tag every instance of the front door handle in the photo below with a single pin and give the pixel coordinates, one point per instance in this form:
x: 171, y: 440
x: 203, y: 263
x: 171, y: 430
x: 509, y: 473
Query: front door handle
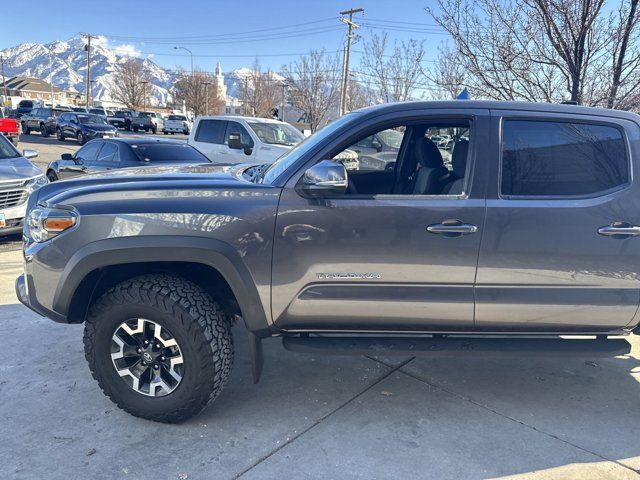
x: 452, y: 228
x: 620, y: 230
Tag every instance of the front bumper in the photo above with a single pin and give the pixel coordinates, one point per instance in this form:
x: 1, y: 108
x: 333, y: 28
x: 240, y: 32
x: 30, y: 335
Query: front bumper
x: 14, y: 217
x: 22, y: 292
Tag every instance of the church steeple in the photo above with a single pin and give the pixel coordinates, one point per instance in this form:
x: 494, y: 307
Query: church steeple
x: 219, y: 70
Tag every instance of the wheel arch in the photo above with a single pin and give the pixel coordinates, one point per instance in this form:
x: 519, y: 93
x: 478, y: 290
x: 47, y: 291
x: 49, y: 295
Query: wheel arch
x: 211, y: 263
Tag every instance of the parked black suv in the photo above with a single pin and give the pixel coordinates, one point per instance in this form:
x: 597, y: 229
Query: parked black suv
x: 43, y: 120
x: 526, y: 230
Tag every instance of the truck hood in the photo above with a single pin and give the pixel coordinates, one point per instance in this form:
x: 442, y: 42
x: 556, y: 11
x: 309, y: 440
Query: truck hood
x: 19, y: 168
x: 148, y: 178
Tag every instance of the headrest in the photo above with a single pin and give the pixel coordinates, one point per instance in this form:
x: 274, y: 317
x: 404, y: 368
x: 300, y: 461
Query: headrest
x: 427, y: 153
x: 459, y: 158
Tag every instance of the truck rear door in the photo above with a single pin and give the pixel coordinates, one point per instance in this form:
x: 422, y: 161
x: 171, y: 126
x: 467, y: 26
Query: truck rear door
x: 560, y: 250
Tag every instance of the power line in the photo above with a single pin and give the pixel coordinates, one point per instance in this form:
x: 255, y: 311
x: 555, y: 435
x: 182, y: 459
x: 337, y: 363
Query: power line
x: 218, y: 35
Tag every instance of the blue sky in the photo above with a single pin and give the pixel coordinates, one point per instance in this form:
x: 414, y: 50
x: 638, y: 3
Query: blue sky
x: 154, y: 28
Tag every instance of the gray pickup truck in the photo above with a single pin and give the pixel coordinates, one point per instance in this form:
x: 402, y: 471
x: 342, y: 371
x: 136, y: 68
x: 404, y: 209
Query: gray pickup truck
x: 520, y: 239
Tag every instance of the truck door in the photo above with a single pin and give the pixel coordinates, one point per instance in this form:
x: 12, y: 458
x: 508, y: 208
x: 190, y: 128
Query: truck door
x: 560, y: 250
x: 398, y: 251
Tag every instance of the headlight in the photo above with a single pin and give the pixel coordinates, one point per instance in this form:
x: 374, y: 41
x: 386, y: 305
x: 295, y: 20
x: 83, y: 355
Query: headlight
x: 36, y: 183
x: 46, y: 223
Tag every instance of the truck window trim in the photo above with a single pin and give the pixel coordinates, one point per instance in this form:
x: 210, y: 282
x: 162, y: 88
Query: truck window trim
x: 554, y: 119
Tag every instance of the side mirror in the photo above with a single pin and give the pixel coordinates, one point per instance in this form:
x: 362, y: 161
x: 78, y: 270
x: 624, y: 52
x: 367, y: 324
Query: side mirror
x: 235, y: 143
x: 66, y: 156
x: 325, y: 178
x: 29, y: 153
x: 377, y: 145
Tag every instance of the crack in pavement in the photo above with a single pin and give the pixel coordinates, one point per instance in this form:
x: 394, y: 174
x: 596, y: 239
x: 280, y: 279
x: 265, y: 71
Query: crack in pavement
x: 324, y: 417
x: 503, y: 415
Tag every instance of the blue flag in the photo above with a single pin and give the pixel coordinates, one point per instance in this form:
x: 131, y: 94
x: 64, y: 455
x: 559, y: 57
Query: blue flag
x: 463, y: 95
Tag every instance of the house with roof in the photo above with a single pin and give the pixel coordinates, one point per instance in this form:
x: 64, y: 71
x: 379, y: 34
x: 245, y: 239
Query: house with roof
x: 29, y: 88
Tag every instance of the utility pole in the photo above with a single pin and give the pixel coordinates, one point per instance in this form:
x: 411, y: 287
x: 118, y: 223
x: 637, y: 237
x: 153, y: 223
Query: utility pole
x: 206, y: 97
x: 347, y: 53
x: 144, y: 95
x: 91, y: 97
x: 87, y: 47
x: 4, y: 83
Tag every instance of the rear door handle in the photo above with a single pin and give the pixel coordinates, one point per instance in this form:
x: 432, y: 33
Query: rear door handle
x: 452, y: 228
x: 620, y: 230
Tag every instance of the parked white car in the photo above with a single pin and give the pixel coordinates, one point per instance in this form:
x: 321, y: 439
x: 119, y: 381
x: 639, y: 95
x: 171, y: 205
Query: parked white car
x: 177, y: 124
x: 262, y: 140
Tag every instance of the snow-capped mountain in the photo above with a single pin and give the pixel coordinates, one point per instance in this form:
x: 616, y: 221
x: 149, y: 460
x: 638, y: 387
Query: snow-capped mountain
x: 65, y: 62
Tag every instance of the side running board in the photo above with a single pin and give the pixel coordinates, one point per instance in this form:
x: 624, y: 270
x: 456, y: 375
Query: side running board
x: 460, y: 346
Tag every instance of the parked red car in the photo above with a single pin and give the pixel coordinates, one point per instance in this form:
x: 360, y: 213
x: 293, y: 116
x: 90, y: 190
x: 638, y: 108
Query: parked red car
x: 9, y: 127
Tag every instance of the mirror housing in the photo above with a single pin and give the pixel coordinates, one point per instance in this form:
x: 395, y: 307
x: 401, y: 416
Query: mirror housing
x: 325, y: 178
x: 377, y: 145
x: 29, y: 153
x: 66, y: 156
x: 235, y: 143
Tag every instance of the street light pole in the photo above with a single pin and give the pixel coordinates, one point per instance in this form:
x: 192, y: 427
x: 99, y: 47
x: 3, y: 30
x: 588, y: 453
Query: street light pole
x: 144, y: 95
x: 284, y: 88
x: 206, y: 97
x: 190, y: 54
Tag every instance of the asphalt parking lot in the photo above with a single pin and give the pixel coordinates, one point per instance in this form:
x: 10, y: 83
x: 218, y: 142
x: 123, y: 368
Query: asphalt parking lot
x: 318, y: 417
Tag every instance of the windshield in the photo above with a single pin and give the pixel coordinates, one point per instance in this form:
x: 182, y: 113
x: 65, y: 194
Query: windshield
x: 391, y: 138
x: 91, y: 119
x: 6, y: 149
x: 290, y: 157
x: 276, y: 133
x: 165, y: 152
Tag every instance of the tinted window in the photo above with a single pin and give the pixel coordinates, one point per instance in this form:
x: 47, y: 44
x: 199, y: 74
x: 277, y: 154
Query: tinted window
x: 165, y: 152
x: 561, y: 159
x: 89, y: 153
x: 211, y: 131
x: 235, y: 127
x: 108, y: 154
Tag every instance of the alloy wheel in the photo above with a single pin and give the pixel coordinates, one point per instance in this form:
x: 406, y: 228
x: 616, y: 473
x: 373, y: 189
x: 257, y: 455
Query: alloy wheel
x: 147, y: 357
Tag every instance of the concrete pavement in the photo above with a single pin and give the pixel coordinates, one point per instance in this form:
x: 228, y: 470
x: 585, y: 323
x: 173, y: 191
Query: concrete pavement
x: 318, y: 417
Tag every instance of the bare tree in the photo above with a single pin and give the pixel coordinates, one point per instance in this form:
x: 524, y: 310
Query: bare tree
x: 199, y: 91
x: 448, y: 74
x: 546, y: 50
x: 393, y: 75
x: 261, y: 92
x: 314, y: 84
x: 130, y: 83
x: 358, y: 96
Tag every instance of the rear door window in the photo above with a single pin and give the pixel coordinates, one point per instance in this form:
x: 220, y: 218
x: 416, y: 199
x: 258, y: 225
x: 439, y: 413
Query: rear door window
x: 561, y: 159
x: 211, y: 131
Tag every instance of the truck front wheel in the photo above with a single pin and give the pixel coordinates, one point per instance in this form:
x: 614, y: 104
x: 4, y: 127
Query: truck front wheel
x: 159, y: 346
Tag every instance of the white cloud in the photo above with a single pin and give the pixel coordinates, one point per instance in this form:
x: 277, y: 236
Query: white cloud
x: 127, y: 50
x: 124, y: 49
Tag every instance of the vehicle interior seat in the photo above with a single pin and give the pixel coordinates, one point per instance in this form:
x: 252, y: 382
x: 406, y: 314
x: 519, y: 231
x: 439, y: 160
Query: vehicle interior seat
x: 431, y: 172
x: 455, y: 185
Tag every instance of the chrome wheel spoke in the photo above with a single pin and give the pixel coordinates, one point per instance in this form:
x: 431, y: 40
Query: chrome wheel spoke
x: 147, y: 357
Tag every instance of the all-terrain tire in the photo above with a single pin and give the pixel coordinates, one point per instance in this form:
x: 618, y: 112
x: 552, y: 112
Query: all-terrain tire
x: 199, y: 325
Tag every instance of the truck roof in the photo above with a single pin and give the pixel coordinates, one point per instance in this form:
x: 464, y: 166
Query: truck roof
x: 239, y: 117
x: 502, y: 105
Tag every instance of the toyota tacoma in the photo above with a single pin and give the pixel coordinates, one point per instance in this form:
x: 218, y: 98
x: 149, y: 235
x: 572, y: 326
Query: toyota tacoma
x: 520, y: 239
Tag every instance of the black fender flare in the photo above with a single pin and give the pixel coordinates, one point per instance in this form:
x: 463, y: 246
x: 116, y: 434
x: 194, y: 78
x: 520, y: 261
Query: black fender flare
x: 180, y: 248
